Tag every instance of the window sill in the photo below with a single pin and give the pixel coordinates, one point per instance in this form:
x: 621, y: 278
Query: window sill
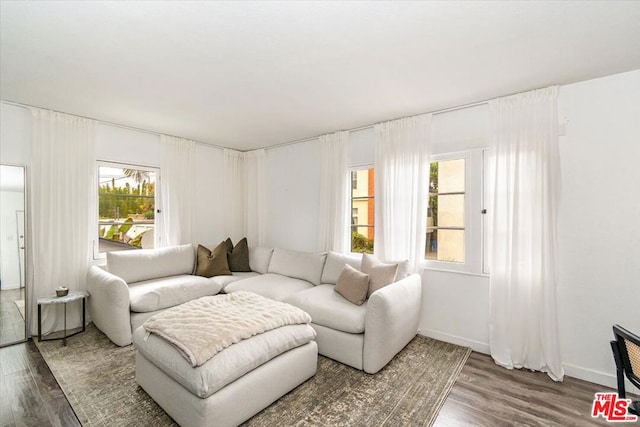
x: 444, y: 270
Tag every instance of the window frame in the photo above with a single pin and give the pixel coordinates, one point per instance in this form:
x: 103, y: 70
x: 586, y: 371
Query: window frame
x: 97, y: 255
x: 474, y: 219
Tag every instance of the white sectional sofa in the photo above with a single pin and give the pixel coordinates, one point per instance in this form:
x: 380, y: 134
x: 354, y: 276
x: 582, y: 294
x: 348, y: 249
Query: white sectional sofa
x: 365, y: 336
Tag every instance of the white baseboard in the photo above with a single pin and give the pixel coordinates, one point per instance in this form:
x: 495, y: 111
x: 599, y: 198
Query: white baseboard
x: 596, y: 377
x: 6, y: 287
x: 453, y: 339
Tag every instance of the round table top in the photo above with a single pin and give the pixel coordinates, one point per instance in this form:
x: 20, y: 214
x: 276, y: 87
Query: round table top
x: 71, y: 296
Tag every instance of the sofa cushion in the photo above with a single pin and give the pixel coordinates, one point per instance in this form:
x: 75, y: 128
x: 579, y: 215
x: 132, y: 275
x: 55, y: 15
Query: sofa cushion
x: 226, y: 279
x: 212, y: 262
x: 143, y: 264
x: 327, y: 308
x: 238, y: 256
x: 269, y: 285
x: 165, y: 292
x: 259, y: 259
x: 380, y: 274
x: 403, y: 268
x: 300, y: 265
x: 226, y: 366
x: 334, y: 264
x: 353, y: 285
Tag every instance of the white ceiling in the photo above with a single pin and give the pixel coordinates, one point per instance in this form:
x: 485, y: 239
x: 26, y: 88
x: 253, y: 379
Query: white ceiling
x: 253, y: 74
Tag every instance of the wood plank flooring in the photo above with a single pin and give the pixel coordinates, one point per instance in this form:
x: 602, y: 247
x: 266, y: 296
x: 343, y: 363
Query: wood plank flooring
x: 484, y: 395
x: 29, y: 394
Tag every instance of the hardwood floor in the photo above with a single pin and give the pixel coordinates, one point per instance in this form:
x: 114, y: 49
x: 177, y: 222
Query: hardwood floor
x: 29, y: 394
x: 484, y: 395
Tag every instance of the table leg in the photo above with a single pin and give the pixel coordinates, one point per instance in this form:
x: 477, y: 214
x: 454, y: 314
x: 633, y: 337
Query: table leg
x: 64, y: 337
x: 84, y: 310
x: 39, y: 323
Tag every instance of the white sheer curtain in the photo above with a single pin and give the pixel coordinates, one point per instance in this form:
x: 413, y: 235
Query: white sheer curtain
x: 62, y: 211
x: 177, y: 176
x: 333, y: 218
x: 523, y: 329
x: 255, y: 202
x: 402, y: 179
x: 233, y: 194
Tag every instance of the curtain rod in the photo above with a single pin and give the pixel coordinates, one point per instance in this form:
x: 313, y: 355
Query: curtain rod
x: 435, y: 113
x: 18, y: 104
x: 283, y: 144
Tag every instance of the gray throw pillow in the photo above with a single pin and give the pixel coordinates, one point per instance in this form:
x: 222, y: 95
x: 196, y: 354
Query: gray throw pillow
x: 380, y: 274
x: 238, y: 256
x: 353, y: 285
x: 212, y: 263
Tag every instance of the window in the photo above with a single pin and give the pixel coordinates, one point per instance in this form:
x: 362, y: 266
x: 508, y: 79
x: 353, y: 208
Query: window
x: 455, y: 221
x: 362, y: 210
x: 126, y: 207
x: 446, y: 211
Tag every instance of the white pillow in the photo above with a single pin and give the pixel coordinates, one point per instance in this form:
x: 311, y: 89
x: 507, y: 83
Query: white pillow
x: 299, y: 265
x: 334, y: 264
x: 259, y: 259
x: 144, y: 264
x: 380, y: 274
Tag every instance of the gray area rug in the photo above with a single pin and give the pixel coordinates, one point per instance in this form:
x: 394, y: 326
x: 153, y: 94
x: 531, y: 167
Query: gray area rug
x: 98, y: 379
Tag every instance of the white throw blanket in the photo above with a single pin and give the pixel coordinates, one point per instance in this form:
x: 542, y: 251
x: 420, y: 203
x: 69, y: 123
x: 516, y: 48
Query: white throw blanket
x: 201, y: 328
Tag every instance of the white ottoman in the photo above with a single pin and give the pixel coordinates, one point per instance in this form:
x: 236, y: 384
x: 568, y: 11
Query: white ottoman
x: 235, y: 384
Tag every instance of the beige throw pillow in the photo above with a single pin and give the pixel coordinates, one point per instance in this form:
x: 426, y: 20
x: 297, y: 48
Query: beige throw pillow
x: 380, y: 274
x: 212, y: 263
x: 353, y: 285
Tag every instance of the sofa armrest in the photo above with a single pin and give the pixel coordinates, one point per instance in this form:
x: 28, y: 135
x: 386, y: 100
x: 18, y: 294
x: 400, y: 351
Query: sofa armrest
x: 391, y: 321
x: 109, y: 305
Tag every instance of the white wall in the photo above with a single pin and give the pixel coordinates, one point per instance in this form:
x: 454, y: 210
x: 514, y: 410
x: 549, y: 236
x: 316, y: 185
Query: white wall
x: 116, y: 144
x: 599, y: 221
x: 293, y: 192
x: 15, y: 134
x: 209, y: 204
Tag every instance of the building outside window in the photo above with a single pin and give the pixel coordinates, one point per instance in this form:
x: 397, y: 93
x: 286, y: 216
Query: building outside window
x: 126, y: 207
x: 456, y: 222
x: 446, y: 212
x: 363, y: 210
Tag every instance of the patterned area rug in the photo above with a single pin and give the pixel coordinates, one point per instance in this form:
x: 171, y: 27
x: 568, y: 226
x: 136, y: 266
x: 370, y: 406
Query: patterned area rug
x: 98, y: 379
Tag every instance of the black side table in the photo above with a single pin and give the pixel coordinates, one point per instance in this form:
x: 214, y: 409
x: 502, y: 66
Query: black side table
x: 70, y: 297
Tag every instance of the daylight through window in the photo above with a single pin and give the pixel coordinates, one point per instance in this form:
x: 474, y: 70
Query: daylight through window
x: 446, y: 212
x: 126, y: 207
x: 362, y: 210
